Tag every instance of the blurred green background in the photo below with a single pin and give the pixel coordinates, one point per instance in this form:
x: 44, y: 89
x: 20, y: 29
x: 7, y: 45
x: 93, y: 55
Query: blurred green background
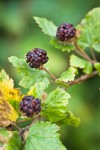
x: 19, y: 33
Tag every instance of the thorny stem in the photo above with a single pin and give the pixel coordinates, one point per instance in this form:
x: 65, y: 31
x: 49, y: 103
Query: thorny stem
x: 82, y: 78
x: 52, y: 76
x: 82, y: 53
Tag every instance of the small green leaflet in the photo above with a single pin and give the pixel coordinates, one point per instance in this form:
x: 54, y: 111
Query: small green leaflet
x: 3, y: 75
x: 61, y: 45
x: 43, y: 135
x: 55, y: 105
x: 70, y: 119
x: 20, y: 64
x: 14, y: 142
x: 68, y: 75
x: 37, y: 90
x: 10, y: 140
x: 4, y: 133
x: 81, y: 63
x: 90, y: 30
x: 48, y: 27
x: 30, y: 76
x: 96, y: 47
x: 97, y: 66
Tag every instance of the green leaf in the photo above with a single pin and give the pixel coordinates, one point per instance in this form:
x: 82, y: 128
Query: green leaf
x: 81, y: 63
x: 48, y: 27
x: 14, y: 142
x: 88, y: 68
x: 4, y: 132
x: 97, y: 66
x: 70, y: 119
x: 62, y: 46
x: 43, y: 135
x: 90, y: 30
x: 30, y: 76
x: 10, y: 140
x: 3, y: 75
x: 6, y: 80
x: 3, y: 137
x: 68, y: 75
x: 55, y: 105
x: 96, y: 47
x: 16, y: 61
x: 37, y: 90
x: 20, y: 64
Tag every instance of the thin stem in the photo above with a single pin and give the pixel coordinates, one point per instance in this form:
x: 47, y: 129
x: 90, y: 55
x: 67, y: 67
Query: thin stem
x: 16, y: 126
x: 83, y: 54
x: 82, y: 78
x: 78, y: 52
x: 52, y: 76
x: 93, y: 55
x: 35, y: 120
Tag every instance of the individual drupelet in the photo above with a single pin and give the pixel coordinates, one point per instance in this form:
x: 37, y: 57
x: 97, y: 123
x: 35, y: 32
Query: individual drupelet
x: 36, y: 57
x: 30, y: 106
x: 65, y: 32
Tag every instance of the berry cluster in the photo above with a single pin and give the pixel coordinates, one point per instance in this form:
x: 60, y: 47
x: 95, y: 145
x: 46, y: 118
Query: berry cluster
x: 65, y: 32
x: 30, y: 105
x: 36, y: 57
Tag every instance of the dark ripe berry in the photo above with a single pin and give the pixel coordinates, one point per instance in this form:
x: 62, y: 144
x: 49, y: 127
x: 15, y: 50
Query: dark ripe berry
x: 65, y: 32
x: 30, y: 105
x: 36, y: 57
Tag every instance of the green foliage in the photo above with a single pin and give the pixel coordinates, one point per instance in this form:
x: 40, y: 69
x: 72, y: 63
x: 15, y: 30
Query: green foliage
x: 54, y: 108
x: 14, y: 142
x: 43, y: 135
x: 3, y: 136
x: 48, y: 27
x: 10, y: 140
x: 68, y: 75
x: 61, y: 45
x: 97, y: 66
x: 20, y: 64
x: 81, y: 63
x: 90, y: 30
x: 96, y: 47
x: 37, y: 90
x: 4, y: 132
x: 70, y: 119
x: 15, y: 104
x: 3, y: 75
x: 30, y: 75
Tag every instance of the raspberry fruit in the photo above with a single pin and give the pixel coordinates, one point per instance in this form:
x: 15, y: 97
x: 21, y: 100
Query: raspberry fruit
x: 30, y: 105
x: 65, y: 32
x: 36, y: 57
